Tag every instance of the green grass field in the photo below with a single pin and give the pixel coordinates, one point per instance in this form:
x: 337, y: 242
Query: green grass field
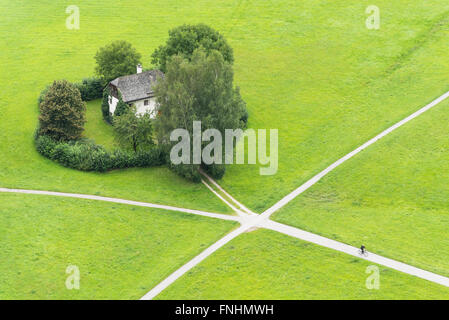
x: 267, y: 265
x: 393, y: 197
x: 36, y: 48
x: 310, y: 69
x: 96, y: 128
x: 121, y: 251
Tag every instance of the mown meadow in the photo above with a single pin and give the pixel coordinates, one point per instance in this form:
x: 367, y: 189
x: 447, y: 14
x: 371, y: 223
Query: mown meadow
x: 393, y: 197
x: 267, y: 265
x: 121, y: 251
x: 328, y: 84
x: 310, y: 69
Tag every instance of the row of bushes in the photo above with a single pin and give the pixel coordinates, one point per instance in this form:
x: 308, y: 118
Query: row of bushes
x: 90, y: 89
x: 191, y: 172
x: 85, y: 155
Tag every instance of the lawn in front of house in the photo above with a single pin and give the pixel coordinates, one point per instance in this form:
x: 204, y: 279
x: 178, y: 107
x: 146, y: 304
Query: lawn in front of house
x: 96, y: 128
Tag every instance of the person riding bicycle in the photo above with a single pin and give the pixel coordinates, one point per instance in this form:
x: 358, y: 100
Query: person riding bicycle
x: 362, y: 249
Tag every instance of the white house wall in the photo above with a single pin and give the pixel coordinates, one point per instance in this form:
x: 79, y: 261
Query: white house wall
x: 142, y: 108
x: 112, y: 104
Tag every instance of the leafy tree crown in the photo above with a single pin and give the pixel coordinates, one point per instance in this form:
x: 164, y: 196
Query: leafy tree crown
x: 62, y: 112
x: 197, y: 90
x: 185, y: 39
x: 133, y: 131
x: 116, y: 59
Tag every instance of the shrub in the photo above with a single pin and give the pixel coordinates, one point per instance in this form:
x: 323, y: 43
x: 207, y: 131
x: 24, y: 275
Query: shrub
x: 121, y: 107
x: 90, y: 89
x: 107, y: 116
x: 121, y: 159
x: 243, y: 111
x: 152, y: 157
x: 100, y: 160
x: 188, y: 171
x: 45, y: 146
x: 133, y: 131
x: 85, y: 155
x: 216, y: 171
x: 62, y: 112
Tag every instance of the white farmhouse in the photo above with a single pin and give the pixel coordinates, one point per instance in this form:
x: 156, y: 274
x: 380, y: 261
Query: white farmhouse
x: 135, y: 89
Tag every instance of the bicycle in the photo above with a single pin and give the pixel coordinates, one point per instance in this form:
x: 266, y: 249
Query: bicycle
x: 363, y: 253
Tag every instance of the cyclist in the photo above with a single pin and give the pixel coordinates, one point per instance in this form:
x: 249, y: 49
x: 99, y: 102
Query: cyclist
x: 362, y: 249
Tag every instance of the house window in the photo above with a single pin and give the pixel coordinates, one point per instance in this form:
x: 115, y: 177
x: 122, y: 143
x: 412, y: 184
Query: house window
x: 145, y: 102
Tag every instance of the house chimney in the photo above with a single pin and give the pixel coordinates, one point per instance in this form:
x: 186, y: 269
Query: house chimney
x: 139, y: 68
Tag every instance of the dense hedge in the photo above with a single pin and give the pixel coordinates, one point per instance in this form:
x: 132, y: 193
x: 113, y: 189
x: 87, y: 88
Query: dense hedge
x: 90, y: 88
x: 85, y: 155
x: 217, y: 171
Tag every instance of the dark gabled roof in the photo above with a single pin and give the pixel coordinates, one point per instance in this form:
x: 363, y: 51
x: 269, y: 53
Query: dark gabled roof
x: 137, y: 86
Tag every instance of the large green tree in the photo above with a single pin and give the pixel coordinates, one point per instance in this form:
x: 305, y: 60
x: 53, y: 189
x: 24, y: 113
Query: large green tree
x: 133, y: 131
x: 62, y: 112
x: 185, y: 39
x: 198, y: 90
x: 116, y: 59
